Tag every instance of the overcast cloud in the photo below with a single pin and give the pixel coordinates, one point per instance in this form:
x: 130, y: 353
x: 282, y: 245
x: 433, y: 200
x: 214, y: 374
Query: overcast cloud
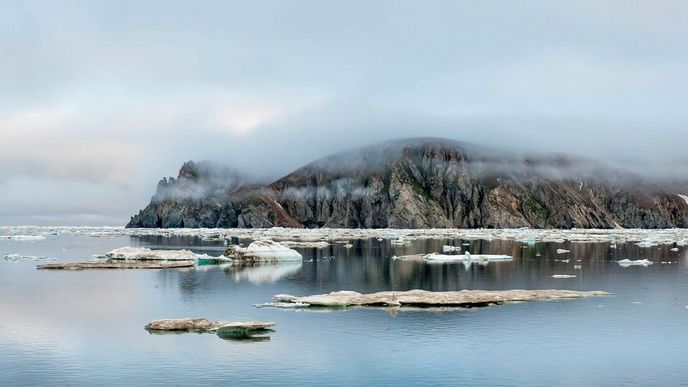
x: 100, y: 99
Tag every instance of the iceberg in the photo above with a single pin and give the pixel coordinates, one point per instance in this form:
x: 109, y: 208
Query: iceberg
x: 262, y: 251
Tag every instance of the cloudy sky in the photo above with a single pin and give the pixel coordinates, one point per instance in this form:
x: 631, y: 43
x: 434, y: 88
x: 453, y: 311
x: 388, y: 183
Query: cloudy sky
x: 100, y: 99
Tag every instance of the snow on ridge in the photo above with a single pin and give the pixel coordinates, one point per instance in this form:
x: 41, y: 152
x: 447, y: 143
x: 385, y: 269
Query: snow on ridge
x: 684, y: 197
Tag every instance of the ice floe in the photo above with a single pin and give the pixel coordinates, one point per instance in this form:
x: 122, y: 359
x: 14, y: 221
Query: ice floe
x: 22, y: 257
x: 29, y: 238
x: 563, y: 251
x: 263, y: 251
x: 466, y: 298
x: 450, y: 249
x: 433, y: 257
x: 638, y: 262
x: 612, y: 236
x: 563, y: 276
x: 313, y: 244
x: 129, y: 253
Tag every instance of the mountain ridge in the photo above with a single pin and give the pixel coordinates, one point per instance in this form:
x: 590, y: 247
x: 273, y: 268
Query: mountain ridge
x: 420, y: 183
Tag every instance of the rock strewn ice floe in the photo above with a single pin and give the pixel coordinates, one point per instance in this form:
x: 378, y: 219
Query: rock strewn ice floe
x: 252, y: 330
x: 658, y: 236
x: 203, y: 325
x: 424, y: 298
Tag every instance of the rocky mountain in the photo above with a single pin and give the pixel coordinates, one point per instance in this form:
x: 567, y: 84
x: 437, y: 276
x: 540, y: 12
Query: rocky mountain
x: 420, y: 183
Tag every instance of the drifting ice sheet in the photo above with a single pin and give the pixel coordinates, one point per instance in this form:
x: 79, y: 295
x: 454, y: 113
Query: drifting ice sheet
x: 466, y: 257
x: 639, y: 262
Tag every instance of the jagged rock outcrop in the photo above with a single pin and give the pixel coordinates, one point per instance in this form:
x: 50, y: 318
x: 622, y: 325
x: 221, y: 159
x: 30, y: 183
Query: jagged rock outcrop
x: 420, y: 183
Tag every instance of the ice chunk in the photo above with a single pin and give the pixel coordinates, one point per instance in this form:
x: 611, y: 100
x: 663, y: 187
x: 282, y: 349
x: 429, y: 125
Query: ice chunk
x: 433, y: 257
x: 563, y: 251
x: 21, y: 257
x: 22, y: 237
x: 145, y: 254
x: 313, y: 244
x: 263, y: 251
x: 638, y: 262
x: 563, y: 276
x: 646, y: 244
x: 450, y: 249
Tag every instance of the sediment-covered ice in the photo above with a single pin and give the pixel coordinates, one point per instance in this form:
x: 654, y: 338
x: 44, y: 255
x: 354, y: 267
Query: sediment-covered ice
x: 638, y: 262
x: 466, y: 298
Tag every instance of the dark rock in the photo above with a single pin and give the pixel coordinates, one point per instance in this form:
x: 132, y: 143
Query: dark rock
x: 420, y: 183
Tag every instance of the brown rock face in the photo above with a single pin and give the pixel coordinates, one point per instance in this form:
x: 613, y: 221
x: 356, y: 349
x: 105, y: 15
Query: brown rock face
x: 422, y: 183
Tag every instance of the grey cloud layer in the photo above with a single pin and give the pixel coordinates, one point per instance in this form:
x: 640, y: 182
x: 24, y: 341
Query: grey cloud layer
x: 113, y: 95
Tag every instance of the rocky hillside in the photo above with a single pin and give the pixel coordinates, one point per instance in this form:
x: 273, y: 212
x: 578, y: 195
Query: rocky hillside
x: 420, y: 183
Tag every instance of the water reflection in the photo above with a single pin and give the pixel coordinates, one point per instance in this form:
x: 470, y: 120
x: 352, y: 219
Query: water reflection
x: 262, y: 274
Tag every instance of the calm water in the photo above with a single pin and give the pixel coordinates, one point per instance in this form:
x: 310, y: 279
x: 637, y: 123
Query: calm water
x: 86, y: 328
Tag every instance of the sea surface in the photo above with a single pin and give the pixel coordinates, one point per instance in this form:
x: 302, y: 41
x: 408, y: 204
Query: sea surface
x: 87, y: 327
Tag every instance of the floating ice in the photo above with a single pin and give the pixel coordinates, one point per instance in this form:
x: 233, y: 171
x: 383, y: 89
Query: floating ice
x: 639, y: 262
x: 313, y: 244
x: 282, y: 305
x: 563, y: 251
x: 263, y: 251
x: 646, y: 244
x: 563, y: 276
x: 22, y: 237
x: 450, y: 249
x: 145, y: 254
x: 612, y: 236
x: 21, y: 257
x: 466, y: 257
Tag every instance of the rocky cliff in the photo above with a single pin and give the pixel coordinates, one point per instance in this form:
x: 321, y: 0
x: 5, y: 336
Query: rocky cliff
x: 420, y: 183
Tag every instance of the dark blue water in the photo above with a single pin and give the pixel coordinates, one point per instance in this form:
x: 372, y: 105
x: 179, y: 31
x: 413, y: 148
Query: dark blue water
x: 86, y: 327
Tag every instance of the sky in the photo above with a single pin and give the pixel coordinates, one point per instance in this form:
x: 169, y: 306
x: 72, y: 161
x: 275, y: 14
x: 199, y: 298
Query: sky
x: 100, y: 99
